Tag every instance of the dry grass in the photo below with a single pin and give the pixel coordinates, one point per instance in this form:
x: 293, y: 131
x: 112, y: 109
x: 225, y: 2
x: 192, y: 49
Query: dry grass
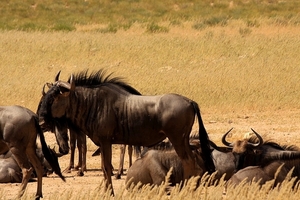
x: 236, y: 78
x: 217, y: 67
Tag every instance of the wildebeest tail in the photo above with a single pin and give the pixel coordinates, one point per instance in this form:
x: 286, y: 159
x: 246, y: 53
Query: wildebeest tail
x: 204, y: 141
x: 48, y: 153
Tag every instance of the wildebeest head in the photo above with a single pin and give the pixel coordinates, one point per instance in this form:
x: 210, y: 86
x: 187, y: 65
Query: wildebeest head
x: 51, y: 111
x: 242, y: 146
x: 243, y: 150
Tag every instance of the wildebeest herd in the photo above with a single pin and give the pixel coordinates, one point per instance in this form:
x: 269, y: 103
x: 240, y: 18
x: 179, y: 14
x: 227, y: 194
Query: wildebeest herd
x: 109, y: 111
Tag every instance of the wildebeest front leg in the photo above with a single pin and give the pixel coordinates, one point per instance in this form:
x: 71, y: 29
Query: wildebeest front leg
x: 106, y: 149
x: 72, y: 147
x: 23, y: 163
x: 82, y: 149
x: 121, y: 164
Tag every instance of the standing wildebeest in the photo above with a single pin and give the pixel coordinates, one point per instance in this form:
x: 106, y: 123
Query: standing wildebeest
x: 79, y: 139
x: 76, y: 139
x: 102, y: 108
x: 19, y: 129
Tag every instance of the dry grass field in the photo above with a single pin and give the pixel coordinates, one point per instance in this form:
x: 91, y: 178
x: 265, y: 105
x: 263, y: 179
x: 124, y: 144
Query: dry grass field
x: 241, y: 77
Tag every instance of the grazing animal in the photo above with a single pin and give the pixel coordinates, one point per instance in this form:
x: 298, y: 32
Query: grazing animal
x: 19, y: 129
x: 102, y: 108
x: 154, y: 164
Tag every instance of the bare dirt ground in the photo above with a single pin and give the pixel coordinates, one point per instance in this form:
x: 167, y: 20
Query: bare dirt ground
x: 282, y: 126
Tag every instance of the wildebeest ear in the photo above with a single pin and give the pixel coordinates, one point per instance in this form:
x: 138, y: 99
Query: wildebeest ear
x: 64, y: 88
x: 64, y: 91
x: 49, y: 85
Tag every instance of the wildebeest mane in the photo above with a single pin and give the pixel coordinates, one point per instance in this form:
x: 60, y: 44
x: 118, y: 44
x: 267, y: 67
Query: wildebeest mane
x: 94, y: 79
x: 254, y: 139
x: 292, y: 152
x: 99, y: 78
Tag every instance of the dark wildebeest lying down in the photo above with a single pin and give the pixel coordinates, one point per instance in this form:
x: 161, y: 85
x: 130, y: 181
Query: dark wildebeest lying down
x: 19, y: 130
x: 276, y: 170
x: 254, y: 151
x: 154, y: 165
x: 10, y: 172
x: 260, y: 160
x: 108, y: 111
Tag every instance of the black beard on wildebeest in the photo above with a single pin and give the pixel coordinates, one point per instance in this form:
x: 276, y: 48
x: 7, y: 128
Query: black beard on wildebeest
x: 108, y: 113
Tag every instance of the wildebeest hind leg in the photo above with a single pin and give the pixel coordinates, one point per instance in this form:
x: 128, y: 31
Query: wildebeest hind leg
x: 31, y: 153
x: 106, y: 149
x: 23, y: 163
x: 188, y: 163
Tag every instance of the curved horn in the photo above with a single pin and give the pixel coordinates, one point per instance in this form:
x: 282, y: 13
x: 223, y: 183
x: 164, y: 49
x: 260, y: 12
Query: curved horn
x: 64, y: 85
x: 260, y: 140
x: 57, y: 76
x: 72, y: 83
x: 43, y: 91
x: 224, y: 139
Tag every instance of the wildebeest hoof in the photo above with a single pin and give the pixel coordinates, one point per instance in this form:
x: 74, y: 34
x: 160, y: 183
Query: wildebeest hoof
x: 37, y: 197
x: 80, y: 173
x: 118, y: 176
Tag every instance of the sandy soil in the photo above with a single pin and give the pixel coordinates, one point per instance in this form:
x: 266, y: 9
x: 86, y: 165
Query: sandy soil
x: 281, y: 126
